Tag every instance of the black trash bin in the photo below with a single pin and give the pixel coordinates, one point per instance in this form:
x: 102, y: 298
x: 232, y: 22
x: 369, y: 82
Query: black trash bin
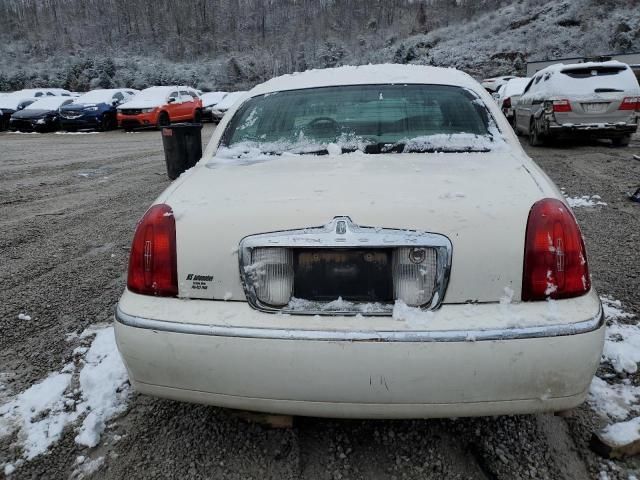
x: 182, y: 147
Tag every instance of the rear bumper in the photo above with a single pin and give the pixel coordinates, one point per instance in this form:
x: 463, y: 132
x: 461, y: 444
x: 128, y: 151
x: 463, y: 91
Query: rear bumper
x: 359, y: 373
x: 365, y: 410
x: 604, y: 130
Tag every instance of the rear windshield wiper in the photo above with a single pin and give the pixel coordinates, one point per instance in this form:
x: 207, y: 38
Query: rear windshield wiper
x: 320, y: 151
x: 382, y: 147
x: 447, y: 150
x: 608, y: 90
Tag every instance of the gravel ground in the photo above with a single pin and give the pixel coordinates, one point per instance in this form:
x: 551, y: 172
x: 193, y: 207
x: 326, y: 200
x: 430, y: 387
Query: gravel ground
x: 68, y: 207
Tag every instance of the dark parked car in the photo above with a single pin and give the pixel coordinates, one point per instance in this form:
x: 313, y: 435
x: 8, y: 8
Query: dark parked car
x: 10, y: 104
x: 94, y: 110
x: 15, y: 101
x: 40, y: 116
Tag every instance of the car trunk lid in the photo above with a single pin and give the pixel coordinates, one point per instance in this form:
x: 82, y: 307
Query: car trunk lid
x: 479, y: 201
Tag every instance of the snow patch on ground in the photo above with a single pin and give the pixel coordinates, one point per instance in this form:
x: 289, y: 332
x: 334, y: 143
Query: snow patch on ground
x: 584, y: 201
x: 622, y: 347
x: 615, y: 397
x: 622, y: 433
x: 76, y: 133
x: 622, y: 342
x: 10, y: 468
x: 39, y: 414
x: 104, y: 386
x: 95, y: 389
x: 613, y: 308
x: 614, y: 401
x: 85, y: 468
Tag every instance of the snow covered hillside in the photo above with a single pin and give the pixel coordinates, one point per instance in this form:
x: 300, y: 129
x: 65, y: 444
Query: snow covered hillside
x: 502, y: 41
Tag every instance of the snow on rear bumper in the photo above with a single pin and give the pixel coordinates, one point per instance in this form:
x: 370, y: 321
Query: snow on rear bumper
x: 360, y: 373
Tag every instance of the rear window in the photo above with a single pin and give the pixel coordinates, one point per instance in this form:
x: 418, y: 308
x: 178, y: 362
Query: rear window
x: 370, y: 118
x: 593, y: 71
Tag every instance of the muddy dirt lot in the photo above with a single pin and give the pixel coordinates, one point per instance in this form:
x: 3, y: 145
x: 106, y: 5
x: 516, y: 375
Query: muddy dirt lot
x: 68, y: 207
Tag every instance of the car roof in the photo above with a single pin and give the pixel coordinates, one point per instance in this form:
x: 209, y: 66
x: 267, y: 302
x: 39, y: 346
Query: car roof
x: 167, y: 88
x: 114, y: 90
x: 366, y: 75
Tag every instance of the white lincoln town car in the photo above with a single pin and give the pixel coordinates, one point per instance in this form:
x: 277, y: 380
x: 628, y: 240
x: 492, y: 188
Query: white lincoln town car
x: 365, y: 242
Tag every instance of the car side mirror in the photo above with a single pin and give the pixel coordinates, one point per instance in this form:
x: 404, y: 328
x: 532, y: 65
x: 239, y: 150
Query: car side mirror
x: 171, y: 100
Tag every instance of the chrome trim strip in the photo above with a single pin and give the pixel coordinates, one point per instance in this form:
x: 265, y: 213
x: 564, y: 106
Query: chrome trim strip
x: 341, y: 232
x: 513, y: 333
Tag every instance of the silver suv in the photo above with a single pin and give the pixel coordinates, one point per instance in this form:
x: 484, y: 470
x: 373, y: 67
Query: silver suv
x: 600, y: 100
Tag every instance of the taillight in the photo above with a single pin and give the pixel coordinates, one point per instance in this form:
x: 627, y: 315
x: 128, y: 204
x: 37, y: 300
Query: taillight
x: 561, y: 106
x: 555, y: 260
x: 630, y: 103
x: 152, y: 263
x: 506, y: 103
x: 272, y: 272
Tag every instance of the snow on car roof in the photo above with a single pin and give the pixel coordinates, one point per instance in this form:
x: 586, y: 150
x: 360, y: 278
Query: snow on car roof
x: 167, y: 88
x: 211, y: 98
x: 160, y: 93
x: 231, y: 98
x: 48, y: 103
x: 366, y: 74
x: 514, y: 86
x: 98, y: 96
x: 11, y: 102
x: 58, y: 91
x: 561, y: 66
x: 26, y: 93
